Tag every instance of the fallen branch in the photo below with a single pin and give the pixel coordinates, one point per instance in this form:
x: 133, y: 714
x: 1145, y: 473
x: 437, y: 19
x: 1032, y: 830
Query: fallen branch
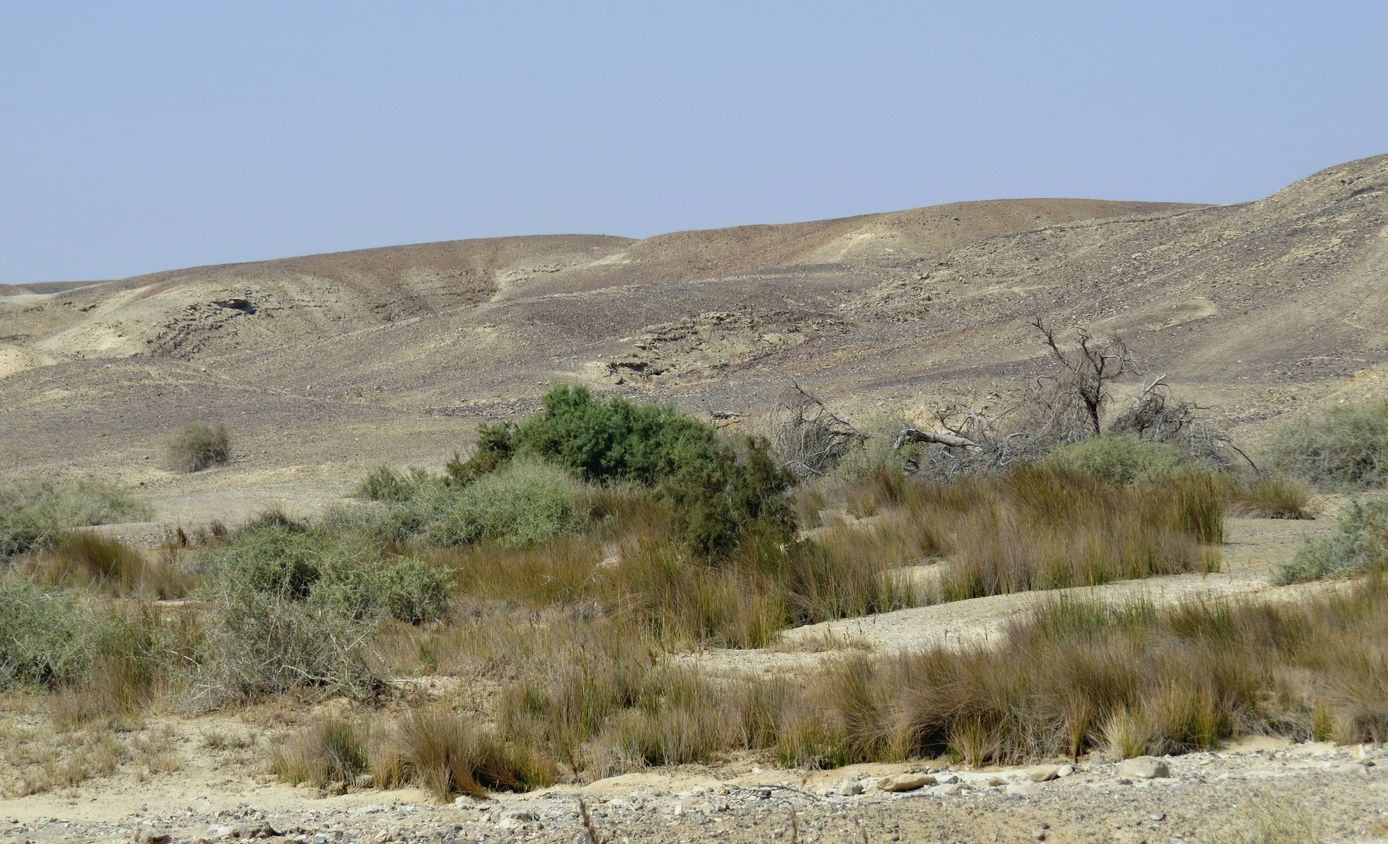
x: 911, y: 435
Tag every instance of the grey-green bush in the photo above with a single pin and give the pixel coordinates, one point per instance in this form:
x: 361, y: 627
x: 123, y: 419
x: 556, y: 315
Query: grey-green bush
x: 1118, y: 458
x: 525, y: 503
x: 1345, y: 449
x: 197, y: 446
x: 1359, y: 543
x: 34, y: 511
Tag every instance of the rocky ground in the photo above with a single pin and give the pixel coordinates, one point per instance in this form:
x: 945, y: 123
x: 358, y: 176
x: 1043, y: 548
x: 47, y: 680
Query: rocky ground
x: 1297, y: 792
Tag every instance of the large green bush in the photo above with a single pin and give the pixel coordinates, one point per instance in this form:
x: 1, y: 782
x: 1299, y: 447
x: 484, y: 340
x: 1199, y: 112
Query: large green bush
x: 34, y: 512
x: 718, y: 491
x: 1345, y: 449
x: 1359, y: 543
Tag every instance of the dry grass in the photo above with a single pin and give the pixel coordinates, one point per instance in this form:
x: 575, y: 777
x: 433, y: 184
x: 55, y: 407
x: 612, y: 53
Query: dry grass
x: 332, y: 750
x: 1272, y: 497
x: 442, y: 753
x: 85, y: 558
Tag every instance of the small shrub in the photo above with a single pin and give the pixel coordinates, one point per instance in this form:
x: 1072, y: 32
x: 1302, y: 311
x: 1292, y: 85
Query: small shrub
x: 1344, y: 449
x: 34, y: 512
x: 197, y: 446
x: 43, y: 637
x: 1118, y: 458
x: 412, y: 591
x: 1359, y: 543
x: 385, y: 484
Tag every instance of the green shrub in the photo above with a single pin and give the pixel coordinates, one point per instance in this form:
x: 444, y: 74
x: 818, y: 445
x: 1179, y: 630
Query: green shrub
x: 1359, y: 543
x: 197, y: 446
x: 1345, y: 449
x: 721, y: 497
x: 34, y: 512
x: 718, y: 490
x: 1118, y: 458
x: 412, y: 591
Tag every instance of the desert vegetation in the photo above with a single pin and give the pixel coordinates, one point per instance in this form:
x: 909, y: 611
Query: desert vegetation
x: 577, y: 560
x: 197, y: 446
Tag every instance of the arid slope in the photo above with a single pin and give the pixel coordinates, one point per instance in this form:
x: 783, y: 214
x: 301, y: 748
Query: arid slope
x: 324, y: 363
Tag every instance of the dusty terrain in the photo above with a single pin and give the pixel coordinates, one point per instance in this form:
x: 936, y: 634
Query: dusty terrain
x: 324, y: 365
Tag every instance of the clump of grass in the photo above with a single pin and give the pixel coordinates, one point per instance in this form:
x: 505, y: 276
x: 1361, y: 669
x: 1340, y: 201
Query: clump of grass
x: 35, y: 512
x: 1043, y: 528
x: 84, y: 558
x: 1344, y: 449
x: 197, y: 446
x: 332, y: 750
x: 1358, y: 544
x: 443, y: 754
x: 1271, y: 497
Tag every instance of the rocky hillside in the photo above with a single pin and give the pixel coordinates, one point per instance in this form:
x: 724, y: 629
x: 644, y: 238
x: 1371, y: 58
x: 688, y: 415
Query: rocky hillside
x: 393, y: 354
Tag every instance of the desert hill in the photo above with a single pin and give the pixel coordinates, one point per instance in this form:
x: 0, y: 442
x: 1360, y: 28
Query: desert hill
x: 324, y: 363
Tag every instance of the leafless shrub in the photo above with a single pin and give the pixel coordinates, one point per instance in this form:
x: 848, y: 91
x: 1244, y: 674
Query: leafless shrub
x: 807, y: 437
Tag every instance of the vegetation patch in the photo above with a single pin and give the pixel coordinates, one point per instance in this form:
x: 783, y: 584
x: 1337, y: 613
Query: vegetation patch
x: 1345, y: 449
x: 34, y: 512
x: 1359, y: 543
x: 197, y: 446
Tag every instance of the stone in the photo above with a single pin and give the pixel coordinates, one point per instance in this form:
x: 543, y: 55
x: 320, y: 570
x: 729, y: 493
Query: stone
x: 1024, y: 789
x: 948, y: 779
x: 905, y: 782
x: 947, y: 790
x: 997, y: 782
x: 1043, y: 774
x: 848, y: 787
x: 1065, y: 770
x: 1143, y: 768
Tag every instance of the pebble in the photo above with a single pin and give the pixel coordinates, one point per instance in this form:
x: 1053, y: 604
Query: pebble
x: 1143, y: 768
x: 905, y: 782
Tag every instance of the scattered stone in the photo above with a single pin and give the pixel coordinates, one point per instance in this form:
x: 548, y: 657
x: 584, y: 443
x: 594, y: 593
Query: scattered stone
x: 1143, y: 768
x: 905, y: 782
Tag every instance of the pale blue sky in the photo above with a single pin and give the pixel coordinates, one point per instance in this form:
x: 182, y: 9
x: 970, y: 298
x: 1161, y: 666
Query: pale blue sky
x: 139, y: 136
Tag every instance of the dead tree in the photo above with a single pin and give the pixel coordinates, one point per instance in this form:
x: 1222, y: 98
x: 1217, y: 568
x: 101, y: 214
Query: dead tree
x: 1082, y: 389
x: 807, y: 436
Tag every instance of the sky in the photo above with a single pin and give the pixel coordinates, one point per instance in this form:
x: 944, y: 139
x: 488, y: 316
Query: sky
x: 140, y: 136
